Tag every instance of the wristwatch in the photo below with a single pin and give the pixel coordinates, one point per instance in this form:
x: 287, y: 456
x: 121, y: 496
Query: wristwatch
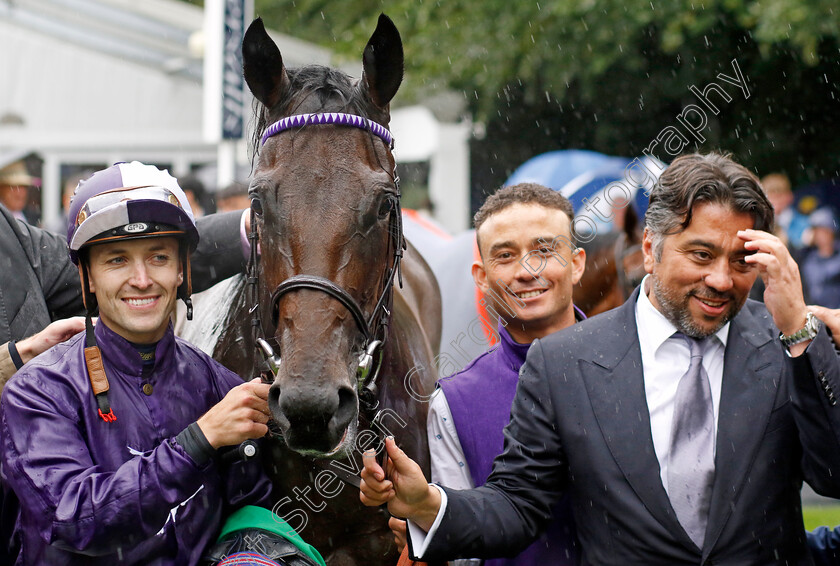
x: 807, y: 332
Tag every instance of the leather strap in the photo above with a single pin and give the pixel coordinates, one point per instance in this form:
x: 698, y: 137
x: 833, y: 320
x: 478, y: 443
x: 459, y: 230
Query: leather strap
x: 96, y: 370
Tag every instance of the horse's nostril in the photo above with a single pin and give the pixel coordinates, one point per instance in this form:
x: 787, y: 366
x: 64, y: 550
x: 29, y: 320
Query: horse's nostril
x: 347, y: 403
x: 274, y: 399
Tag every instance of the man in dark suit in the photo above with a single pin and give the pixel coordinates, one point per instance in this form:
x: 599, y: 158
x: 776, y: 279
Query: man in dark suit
x: 682, y: 423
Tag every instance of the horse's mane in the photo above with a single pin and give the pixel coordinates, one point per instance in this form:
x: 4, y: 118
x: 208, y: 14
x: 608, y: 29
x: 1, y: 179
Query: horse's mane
x: 333, y: 90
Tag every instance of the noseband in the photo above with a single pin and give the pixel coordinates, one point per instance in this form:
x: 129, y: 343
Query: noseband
x: 375, y: 327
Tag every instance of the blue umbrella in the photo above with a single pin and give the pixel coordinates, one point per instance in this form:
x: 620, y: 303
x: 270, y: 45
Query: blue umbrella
x: 557, y: 168
x: 581, y: 174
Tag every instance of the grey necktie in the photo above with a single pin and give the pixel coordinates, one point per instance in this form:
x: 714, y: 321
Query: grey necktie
x: 691, y: 466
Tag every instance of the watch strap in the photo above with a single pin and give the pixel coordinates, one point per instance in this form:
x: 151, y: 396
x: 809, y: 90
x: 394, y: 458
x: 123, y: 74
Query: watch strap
x: 807, y: 332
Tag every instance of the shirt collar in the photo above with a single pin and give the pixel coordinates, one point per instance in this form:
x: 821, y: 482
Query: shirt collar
x: 658, y: 328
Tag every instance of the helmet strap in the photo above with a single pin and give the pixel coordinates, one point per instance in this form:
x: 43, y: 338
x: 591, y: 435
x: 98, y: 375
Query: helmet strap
x: 93, y: 357
x: 185, y: 289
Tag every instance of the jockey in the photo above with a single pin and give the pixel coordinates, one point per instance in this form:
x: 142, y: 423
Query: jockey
x: 110, y: 439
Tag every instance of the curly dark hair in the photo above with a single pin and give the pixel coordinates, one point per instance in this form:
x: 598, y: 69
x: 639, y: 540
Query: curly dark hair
x: 703, y: 178
x: 522, y: 193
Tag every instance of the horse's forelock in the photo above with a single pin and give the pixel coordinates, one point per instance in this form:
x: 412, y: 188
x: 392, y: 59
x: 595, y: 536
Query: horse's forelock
x: 313, y: 88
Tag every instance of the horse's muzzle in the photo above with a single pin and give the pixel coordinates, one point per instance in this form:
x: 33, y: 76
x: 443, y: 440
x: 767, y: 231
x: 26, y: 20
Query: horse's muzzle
x: 314, y: 420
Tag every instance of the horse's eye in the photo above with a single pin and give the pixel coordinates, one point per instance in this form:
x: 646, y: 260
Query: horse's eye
x: 256, y: 206
x: 385, y: 207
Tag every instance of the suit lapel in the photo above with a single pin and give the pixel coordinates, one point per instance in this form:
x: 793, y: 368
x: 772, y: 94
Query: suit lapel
x: 750, y: 383
x: 616, y: 390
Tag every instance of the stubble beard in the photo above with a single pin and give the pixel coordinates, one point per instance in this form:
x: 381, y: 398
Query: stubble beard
x: 676, y: 309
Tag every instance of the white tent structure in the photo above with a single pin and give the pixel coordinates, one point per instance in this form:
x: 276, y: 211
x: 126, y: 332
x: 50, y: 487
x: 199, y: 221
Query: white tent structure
x: 100, y: 81
x: 92, y: 82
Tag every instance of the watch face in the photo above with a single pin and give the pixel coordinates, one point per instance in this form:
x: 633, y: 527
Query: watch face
x: 815, y: 322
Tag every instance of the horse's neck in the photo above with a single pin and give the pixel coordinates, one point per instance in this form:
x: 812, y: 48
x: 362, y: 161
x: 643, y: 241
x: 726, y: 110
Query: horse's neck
x: 212, y: 310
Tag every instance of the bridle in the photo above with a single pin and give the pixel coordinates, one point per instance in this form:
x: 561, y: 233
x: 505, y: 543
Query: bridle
x: 374, y: 327
x: 621, y: 251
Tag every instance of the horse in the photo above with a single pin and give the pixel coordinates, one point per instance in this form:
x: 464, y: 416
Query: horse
x: 614, y: 267
x: 344, y: 313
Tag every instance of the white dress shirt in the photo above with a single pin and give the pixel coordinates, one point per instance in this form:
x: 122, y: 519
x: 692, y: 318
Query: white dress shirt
x: 665, y: 358
x: 449, y: 464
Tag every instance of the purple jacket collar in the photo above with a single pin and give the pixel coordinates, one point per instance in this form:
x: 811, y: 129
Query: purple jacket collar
x: 513, y: 352
x: 122, y: 355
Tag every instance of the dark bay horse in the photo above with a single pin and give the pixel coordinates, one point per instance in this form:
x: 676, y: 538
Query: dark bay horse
x: 614, y: 267
x: 325, y: 292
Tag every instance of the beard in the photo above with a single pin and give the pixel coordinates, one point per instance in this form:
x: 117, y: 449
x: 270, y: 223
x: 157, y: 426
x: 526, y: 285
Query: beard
x: 675, y: 308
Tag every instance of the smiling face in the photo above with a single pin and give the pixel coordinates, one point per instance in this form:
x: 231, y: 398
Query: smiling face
x: 136, y: 285
x: 701, y: 280
x: 520, y: 235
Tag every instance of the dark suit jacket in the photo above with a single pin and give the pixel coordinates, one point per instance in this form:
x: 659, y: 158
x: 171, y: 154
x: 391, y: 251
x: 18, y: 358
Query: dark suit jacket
x: 580, y: 422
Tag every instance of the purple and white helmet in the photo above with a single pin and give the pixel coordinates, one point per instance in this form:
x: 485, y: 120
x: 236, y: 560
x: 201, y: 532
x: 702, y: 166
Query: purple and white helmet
x: 128, y: 201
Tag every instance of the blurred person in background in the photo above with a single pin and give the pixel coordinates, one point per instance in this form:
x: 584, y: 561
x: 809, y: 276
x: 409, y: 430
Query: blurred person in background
x: 59, y: 225
x: 820, y: 262
x: 789, y: 222
x: 233, y: 197
x: 197, y: 194
x: 15, y: 182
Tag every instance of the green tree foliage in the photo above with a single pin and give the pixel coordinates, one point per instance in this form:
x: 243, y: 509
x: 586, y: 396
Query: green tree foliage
x: 609, y: 75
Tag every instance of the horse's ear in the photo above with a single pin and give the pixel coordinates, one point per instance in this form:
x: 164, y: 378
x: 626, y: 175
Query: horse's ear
x: 383, y: 63
x: 263, y: 65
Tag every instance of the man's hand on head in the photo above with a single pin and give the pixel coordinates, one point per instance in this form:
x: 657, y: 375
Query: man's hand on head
x: 783, y: 285
x: 243, y: 414
x: 401, y: 485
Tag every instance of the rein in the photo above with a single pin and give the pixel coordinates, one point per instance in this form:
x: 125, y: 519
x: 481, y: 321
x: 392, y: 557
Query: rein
x: 375, y: 327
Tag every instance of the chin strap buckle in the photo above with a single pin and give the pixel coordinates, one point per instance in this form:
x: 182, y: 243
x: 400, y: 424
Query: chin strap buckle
x: 108, y: 417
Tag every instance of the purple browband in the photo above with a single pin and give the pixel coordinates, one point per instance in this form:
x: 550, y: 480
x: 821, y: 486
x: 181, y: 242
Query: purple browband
x: 337, y: 118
